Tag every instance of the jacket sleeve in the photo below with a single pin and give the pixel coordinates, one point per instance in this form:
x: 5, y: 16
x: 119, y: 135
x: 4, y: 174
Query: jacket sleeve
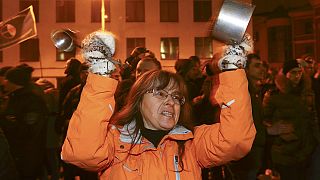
x: 88, y: 143
x: 232, y: 137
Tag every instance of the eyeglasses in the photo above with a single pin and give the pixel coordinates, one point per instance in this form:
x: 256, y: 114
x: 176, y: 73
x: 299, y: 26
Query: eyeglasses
x: 177, y: 97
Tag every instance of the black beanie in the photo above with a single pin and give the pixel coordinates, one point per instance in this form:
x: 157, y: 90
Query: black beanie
x: 288, y: 65
x: 18, y: 75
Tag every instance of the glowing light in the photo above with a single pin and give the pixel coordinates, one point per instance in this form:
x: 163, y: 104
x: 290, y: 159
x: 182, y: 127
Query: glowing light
x: 232, y: 20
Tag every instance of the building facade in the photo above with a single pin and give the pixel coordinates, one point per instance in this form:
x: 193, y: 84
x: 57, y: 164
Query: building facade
x: 287, y: 30
x: 172, y: 29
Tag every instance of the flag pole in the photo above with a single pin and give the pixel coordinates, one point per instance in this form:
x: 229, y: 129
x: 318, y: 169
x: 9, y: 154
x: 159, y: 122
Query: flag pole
x: 102, y: 16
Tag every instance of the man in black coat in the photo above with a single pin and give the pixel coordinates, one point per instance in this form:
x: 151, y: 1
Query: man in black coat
x: 24, y: 124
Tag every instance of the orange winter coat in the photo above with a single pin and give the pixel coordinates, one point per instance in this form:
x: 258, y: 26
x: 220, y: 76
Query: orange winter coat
x: 95, y: 145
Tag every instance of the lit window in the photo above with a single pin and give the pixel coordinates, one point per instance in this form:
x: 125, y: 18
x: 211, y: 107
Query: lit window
x: 65, y: 11
x: 29, y: 50
x: 201, y: 10
x: 35, y: 3
x: 133, y: 43
x: 203, y: 47
x: 169, y: 48
x: 96, y: 10
x: 135, y: 10
x: 169, y: 11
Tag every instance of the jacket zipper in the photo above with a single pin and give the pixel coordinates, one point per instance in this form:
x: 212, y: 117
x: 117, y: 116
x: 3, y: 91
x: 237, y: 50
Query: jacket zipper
x: 176, y: 166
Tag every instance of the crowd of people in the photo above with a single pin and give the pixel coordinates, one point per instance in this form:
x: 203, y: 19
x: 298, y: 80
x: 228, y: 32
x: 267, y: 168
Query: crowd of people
x: 130, y: 124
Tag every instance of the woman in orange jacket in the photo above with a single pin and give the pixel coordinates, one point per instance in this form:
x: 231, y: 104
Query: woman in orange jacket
x: 151, y: 137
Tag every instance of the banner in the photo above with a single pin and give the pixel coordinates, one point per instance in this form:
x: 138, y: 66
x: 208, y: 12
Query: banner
x: 18, y: 28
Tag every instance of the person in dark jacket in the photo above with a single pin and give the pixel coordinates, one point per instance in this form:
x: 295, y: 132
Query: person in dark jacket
x: 72, y: 79
x: 7, y: 167
x: 290, y: 122
x: 24, y: 124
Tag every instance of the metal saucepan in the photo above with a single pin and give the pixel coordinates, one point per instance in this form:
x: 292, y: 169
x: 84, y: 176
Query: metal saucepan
x: 63, y: 39
x: 232, y: 21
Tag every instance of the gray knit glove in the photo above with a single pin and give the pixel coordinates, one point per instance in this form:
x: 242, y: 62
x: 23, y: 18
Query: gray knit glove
x: 97, y: 50
x: 234, y: 55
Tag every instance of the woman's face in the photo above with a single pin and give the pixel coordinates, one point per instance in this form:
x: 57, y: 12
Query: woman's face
x: 160, y: 109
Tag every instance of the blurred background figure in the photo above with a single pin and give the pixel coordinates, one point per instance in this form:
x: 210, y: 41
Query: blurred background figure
x: 136, y: 55
x: 290, y: 122
x: 147, y: 63
x: 310, y: 67
x: 24, y: 123
x: 51, y: 97
x: 189, y: 70
x: 7, y: 165
x: 3, y: 71
x: 72, y: 78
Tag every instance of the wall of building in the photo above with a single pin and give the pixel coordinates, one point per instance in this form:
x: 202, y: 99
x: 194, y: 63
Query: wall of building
x: 151, y: 29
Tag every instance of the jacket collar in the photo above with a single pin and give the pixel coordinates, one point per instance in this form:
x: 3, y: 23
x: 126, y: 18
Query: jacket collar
x: 127, y: 134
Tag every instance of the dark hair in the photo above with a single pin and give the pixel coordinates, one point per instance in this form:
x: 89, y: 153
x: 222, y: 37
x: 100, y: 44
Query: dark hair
x: 138, y: 50
x: 157, y: 79
x: 250, y: 57
x: 289, y: 64
x: 74, y: 67
x: 19, y: 75
x: 152, y: 60
x: 182, y: 66
x: 195, y: 59
x: 3, y: 70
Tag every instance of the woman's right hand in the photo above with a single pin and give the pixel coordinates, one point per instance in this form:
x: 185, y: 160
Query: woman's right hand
x: 98, y: 49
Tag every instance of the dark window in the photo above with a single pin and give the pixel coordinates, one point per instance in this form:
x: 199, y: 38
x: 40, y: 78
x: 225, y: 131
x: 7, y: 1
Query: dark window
x: 169, y: 11
x: 65, y: 11
x: 63, y: 56
x: 203, y: 47
x: 169, y: 48
x: 1, y: 56
x: 135, y: 10
x: 201, y: 10
x: 1, y: 10
x: 96, y: 10
x: 134, y: 42
x: 29, y: 50
x: 35, y: 3
x: 279, y: 44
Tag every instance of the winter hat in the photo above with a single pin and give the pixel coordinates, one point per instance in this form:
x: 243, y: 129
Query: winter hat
x: 288, y: 65
x: 19, y: 75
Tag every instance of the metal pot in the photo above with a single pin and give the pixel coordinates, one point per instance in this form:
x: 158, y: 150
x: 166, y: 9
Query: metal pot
x: 232, y: 21
x: 63, y: 39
